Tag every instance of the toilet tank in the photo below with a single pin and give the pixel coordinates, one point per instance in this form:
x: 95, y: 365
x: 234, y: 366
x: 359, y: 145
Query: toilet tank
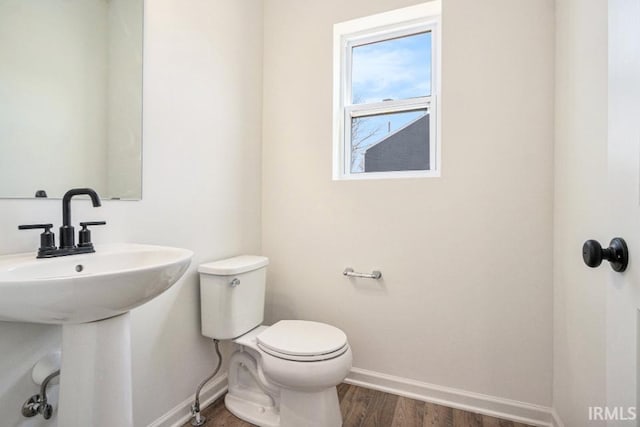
x: 232, y: 295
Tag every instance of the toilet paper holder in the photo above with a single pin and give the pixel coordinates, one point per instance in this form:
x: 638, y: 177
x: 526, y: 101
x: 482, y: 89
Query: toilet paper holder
x: 375, y: 274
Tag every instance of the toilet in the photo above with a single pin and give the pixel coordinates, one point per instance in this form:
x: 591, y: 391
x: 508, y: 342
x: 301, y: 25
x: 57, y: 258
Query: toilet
x: 284, y: 375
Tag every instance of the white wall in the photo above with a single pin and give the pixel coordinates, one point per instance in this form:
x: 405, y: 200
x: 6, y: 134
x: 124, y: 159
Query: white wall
x: 53, y: 73
x: 466, y: 299
x: 202, y: 124
x: 580, y: 191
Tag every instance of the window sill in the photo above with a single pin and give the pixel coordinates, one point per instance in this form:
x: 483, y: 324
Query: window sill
x: 387, y: 175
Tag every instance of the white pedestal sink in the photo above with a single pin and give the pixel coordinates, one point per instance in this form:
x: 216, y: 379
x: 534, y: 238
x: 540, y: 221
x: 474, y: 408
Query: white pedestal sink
x: 90, y: 295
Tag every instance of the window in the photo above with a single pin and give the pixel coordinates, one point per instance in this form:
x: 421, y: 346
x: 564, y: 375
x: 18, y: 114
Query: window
x: 386, y: 70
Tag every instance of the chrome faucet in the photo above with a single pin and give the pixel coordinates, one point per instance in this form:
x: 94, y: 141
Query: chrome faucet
x: 68, y: 246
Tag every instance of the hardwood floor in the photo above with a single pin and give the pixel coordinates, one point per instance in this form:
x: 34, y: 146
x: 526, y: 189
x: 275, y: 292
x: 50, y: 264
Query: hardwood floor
x: 362, y: 407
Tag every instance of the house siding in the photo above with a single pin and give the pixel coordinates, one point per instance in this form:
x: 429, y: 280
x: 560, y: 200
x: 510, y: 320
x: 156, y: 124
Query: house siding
x: 407, y: 149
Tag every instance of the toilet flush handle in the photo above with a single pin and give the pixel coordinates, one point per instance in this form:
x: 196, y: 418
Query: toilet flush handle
x: 234, y: 282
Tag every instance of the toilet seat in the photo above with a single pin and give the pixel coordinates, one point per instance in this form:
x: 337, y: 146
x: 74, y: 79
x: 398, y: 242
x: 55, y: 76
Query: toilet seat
x: 302, y: 341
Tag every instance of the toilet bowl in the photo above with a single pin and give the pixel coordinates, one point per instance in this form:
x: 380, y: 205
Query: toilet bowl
x: 283, y: 375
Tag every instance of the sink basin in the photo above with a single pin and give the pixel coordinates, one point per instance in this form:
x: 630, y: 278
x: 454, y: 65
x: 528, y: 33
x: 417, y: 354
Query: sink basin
x: 89, y: 287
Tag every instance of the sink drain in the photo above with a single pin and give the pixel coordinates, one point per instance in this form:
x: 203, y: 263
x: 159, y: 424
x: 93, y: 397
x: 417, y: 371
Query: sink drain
x: 79, y: 268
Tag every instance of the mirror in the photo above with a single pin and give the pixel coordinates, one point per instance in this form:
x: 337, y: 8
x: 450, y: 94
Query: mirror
x: 71, y: 97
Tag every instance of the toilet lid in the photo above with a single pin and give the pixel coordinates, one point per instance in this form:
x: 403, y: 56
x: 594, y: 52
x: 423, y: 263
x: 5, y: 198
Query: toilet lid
x: 302, y: 338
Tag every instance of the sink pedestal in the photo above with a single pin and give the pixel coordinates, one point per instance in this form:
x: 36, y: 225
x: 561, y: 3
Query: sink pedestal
x: 95, y: 380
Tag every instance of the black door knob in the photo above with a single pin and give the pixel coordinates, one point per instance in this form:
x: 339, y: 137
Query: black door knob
x: 617, y: 254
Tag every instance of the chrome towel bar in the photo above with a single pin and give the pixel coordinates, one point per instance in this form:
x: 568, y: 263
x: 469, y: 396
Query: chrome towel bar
x: 373, y: 275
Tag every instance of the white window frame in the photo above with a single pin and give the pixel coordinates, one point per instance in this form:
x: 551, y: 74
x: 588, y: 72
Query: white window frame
x: 384, y: 26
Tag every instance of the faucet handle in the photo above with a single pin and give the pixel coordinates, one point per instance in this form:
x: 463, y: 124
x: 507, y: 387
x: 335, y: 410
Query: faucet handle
x: 47, y: 238
x: 84, y: 241
x: 47, y: 227
x: 90, y: 223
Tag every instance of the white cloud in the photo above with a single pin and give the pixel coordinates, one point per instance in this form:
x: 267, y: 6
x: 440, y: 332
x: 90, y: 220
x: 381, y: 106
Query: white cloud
x: 393, y: 69
x: 389, y: 73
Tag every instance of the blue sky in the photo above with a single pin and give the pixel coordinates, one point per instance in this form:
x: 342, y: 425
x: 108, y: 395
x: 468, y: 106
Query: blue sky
x: 392, y: 69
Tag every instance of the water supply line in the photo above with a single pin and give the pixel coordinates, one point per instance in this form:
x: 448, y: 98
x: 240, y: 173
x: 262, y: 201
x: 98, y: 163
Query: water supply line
x: 196, y: 418
x: 38, y: 404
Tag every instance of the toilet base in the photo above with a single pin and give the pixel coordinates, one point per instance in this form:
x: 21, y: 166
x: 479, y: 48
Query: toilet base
x: 262, y: 416
x: 255, y: 399
x: 297, y: 409
x: 316, y: 409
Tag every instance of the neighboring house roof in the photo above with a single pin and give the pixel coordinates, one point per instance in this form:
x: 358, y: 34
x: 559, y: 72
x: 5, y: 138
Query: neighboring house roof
x: 405, y: 149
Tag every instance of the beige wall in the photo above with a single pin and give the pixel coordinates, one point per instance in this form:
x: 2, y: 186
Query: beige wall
x: 202, y: 126
x: 466, y: 299
x: 580, y: 190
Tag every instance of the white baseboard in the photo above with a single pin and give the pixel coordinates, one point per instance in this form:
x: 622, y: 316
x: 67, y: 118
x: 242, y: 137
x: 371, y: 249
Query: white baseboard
x: 181, y: 413
x: 512, y: 410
